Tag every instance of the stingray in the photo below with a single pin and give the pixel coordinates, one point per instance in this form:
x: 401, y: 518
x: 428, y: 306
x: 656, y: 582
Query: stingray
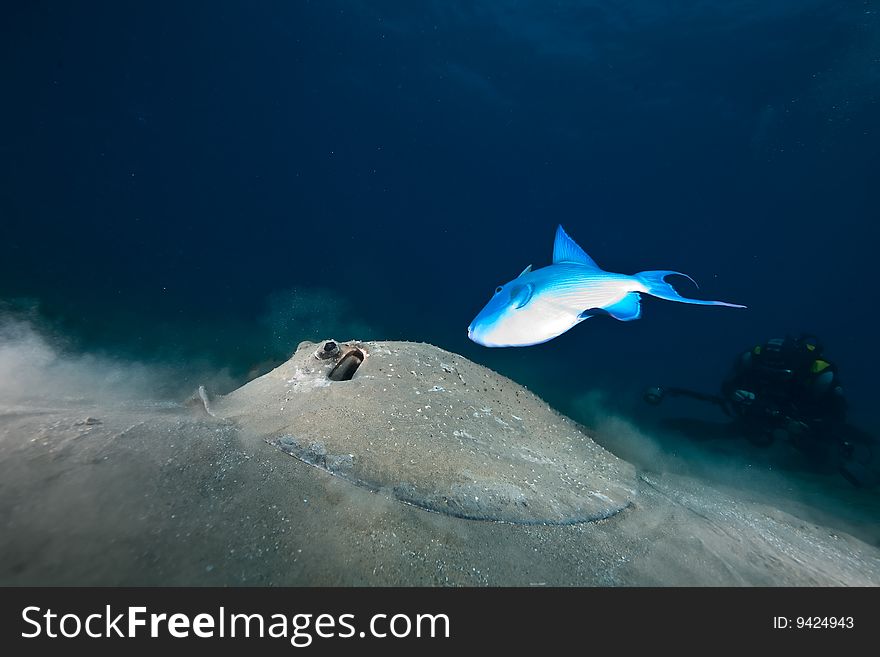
x: 431, y: 429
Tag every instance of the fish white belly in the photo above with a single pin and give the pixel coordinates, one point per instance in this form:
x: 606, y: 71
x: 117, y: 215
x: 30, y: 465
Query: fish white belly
x: 552, y: 312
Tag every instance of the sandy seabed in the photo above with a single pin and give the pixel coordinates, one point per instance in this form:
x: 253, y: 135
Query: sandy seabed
x: 422, y: 469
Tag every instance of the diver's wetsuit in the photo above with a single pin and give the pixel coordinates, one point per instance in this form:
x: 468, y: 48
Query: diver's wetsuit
x: 785, y: 389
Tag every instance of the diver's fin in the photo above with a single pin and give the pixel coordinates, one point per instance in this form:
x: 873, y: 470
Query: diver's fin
x: 627, y: 309
x: 521, y: 294
x: 566, y: 249
x: 525, y: 271
x: 656, y: 286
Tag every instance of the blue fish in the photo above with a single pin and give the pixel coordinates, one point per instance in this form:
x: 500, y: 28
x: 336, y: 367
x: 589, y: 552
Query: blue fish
x: 539, y: 305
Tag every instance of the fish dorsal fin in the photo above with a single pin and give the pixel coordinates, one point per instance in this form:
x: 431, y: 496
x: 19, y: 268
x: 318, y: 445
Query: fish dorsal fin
x: 566, y: 249
x: 525, y: 271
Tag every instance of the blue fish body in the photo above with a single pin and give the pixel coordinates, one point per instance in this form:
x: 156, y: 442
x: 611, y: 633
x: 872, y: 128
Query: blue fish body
x: 539, y: 305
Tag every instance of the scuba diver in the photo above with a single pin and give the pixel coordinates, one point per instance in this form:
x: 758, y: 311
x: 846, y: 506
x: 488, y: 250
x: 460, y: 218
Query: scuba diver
x: 786, y: 390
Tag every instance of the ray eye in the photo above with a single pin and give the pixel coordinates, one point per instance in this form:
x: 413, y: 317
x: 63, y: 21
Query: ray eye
x: 498, y: 289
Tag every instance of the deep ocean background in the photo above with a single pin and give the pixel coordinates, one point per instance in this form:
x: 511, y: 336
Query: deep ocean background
x: 216, y: 181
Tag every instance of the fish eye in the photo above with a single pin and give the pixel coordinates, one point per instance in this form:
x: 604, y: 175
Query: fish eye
x: 498, y: 289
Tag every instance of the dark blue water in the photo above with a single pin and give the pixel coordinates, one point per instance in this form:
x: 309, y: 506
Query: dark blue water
x: 170, y: 172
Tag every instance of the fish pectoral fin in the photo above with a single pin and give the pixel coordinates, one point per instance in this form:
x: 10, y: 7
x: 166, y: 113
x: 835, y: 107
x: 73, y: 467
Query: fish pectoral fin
x: 521, y: 294
x: 593, y: 312
x: 627, y: 309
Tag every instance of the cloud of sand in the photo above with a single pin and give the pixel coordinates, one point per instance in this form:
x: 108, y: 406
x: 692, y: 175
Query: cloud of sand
x: 777, y: 476
x: 621, y: 436
x: 37, y: 365
x: 298, y: 314
x: 723, y: 460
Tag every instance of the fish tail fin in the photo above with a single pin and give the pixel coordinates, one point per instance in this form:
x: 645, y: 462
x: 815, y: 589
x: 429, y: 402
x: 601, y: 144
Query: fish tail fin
x: 656, y: 285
